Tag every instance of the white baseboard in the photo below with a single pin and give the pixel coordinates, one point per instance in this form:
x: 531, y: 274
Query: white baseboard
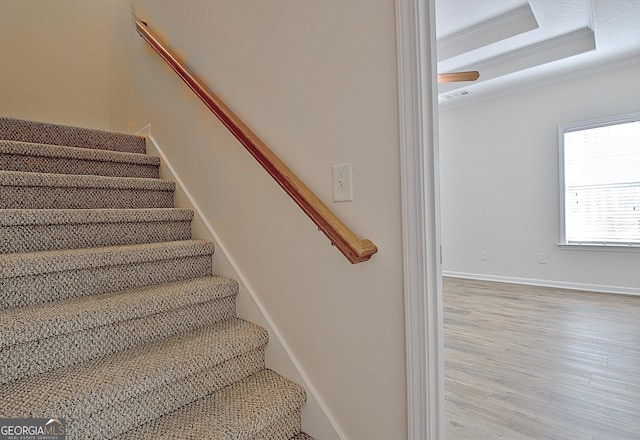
x: 312, y: 393
x: 545, y: 283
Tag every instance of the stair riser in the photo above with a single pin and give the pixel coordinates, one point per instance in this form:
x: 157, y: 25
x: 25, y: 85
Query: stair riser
x: 264, y: 406
x: 43, y: 321
x: 285, y: 428
x: 32, y: 238
x: 41, y: 356
x: 33, y: 289
x: 44, y: 133
x: 166, y: 374
x: 25, y: 197
x: 54, y: 165
x: 142, y: 408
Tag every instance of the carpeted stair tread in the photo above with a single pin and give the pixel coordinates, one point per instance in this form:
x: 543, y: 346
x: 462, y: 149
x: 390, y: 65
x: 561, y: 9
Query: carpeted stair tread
x: 55, y: 134
x: 284, y: 428
x: 35, y: 263
x: 43, y: 158
x: 238, y: 412
x: 31, y: 230
x: 37, y: 341
x: 20, y: 190
x: 100, y: 388
x: 42, y: 321
x: 39, y: 277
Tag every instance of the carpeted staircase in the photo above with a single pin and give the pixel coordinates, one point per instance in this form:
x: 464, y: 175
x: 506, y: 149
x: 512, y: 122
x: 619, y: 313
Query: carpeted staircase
x: 110, y: 315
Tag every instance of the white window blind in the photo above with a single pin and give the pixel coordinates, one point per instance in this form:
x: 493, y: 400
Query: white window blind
x: 601, y: 175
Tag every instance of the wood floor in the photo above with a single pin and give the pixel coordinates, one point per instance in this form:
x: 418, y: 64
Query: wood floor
x: 538, y: 363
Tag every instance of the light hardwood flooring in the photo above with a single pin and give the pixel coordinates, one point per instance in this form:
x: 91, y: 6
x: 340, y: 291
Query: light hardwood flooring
x: 526, y: 362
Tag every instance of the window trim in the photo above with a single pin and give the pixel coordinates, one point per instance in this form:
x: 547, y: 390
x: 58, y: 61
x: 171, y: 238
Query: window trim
x: 577, y: 126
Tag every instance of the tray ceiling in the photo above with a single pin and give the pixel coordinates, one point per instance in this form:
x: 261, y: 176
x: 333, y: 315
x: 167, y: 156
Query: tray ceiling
x: 518, y: 44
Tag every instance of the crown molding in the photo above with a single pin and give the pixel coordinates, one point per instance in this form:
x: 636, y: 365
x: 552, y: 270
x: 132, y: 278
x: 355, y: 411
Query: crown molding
x: 584, y: 37
x: 506, y: 88
x: 498, y: 28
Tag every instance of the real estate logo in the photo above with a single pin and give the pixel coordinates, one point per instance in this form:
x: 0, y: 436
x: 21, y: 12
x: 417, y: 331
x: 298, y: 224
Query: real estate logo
x: 33, y: 429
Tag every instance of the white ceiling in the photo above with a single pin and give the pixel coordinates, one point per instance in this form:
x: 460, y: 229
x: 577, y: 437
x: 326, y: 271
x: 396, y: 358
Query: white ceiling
x: 520, y: 44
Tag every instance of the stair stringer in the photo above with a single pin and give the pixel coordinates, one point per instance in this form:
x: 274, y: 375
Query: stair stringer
x: 316, y: 416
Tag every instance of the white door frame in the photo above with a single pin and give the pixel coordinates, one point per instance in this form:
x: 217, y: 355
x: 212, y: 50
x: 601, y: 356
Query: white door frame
x: 415, y: 23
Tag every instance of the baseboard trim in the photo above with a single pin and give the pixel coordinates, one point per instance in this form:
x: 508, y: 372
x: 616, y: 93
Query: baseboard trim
x: 220, y: 247
x: 145, y: 131
x: 620, y: 290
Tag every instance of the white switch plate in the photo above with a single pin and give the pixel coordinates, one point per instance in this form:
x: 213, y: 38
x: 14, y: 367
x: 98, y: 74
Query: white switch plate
x: 342, y: 184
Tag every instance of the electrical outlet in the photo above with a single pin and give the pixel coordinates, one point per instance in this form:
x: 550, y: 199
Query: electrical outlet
x: 342, y: 183
x: 484, y: 255
x: 542, y: 258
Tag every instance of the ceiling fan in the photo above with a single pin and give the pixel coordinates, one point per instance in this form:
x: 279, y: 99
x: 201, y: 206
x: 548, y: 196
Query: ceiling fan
x: 471, y: 75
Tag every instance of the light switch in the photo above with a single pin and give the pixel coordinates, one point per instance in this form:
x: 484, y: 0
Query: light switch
x: 342, y: 183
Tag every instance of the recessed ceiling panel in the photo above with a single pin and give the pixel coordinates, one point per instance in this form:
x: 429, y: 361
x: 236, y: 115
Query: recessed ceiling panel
x: 455, y: 15
x: 543, y: 52
x: 500, y: 39
x: 508, y: 24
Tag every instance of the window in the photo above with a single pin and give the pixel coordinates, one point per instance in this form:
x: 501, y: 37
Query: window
x: 600, y: 182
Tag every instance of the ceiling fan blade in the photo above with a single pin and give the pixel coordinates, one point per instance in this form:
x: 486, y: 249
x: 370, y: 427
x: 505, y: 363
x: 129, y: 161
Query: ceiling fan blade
x: 458, y: 76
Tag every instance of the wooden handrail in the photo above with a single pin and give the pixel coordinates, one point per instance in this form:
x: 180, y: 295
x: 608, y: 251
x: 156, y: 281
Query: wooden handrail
x: 355, y: 249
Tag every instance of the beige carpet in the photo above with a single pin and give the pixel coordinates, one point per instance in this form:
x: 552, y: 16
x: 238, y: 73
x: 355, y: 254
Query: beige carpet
x: 111, y: 315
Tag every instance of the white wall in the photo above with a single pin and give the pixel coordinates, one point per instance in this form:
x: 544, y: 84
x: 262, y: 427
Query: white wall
x: 499, y: 165
x: 317, y: 82
x: 55, y: 59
